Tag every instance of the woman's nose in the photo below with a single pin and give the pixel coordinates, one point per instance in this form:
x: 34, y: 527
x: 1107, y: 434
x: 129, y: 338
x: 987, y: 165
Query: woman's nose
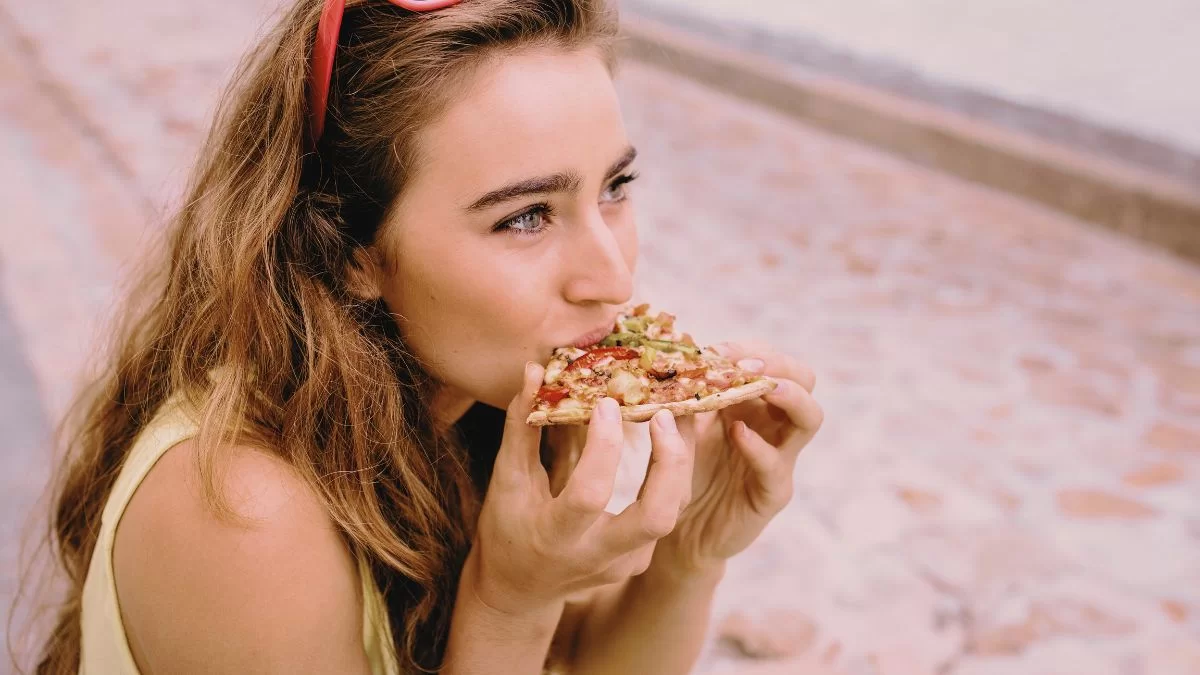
x: 598, y: 270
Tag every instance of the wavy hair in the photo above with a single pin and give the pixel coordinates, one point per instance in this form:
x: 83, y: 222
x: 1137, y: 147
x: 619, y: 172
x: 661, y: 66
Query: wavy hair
x: 254, y: 284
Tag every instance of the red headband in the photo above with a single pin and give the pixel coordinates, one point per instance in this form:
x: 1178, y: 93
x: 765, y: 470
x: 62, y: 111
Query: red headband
x: 325, y: 48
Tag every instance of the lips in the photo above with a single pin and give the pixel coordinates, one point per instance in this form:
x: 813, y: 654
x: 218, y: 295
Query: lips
x: 592, y: 337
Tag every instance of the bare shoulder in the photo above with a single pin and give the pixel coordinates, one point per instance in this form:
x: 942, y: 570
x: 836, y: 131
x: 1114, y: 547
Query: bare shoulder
x: 274, y: 589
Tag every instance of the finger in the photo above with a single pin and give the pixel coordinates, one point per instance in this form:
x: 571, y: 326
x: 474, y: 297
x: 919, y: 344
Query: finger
x: 772, y: 472
x: 802, y: 412
x: 643, y: 557
x: 742, y: 349
x: 687, y: 429
x: 761, y: 455
x: 666, y: 490
x: 686, y: 425
x: 590, y: 486
x: 630, y: 564
x: 701, y: 422
x: 759, y: 358
x: 518, y: 456
x: 752, y: 364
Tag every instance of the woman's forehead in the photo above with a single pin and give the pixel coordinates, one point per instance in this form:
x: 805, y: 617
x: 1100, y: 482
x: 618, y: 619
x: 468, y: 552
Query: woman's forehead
x: 529, y: 113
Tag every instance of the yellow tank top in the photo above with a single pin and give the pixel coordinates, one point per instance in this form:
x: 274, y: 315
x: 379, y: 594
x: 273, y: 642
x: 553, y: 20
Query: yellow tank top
x: 105, y: 649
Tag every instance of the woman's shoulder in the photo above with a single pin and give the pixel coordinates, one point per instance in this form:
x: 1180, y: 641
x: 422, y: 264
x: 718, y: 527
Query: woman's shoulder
x: 267, y: 579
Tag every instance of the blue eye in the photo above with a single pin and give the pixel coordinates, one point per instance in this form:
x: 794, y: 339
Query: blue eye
x: 617, y: 189
x: 527, y: 223
x: 532, y: 221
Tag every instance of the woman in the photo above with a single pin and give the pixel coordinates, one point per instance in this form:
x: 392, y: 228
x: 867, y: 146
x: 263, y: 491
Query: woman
x: 297, y: 459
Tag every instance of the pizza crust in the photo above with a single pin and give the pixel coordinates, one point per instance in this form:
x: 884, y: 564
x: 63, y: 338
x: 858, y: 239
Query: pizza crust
x: 643, y: 412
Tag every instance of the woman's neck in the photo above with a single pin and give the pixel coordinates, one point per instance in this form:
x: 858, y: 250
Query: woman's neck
x: 449, y: 405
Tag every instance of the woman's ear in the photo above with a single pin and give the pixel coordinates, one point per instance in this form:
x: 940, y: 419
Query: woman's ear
x: 364, y: 275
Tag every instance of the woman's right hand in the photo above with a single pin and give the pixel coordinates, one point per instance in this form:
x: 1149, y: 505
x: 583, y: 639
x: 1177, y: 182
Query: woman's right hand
x: 534, y: 549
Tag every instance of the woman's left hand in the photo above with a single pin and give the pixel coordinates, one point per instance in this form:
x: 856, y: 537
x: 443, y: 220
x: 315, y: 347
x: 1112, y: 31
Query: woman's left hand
x: 744, y: 459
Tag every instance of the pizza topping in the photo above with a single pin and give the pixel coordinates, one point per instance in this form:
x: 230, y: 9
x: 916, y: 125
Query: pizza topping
x: 571, y: 403
x: 624, y: 339
x: 648, y: 356
x: 552, y: 395
x: 642, y: 340
x: 635, y: 324
x: 725, y: 378
x: 643, y: 361
x: 596, y: 357
x: 554, y: 370
x: 627, y: 388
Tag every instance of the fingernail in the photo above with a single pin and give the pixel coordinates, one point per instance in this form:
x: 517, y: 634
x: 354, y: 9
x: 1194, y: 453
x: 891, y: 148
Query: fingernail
x: 781, y: 387
x: 666, y: 421
x: 723, y: 348
x: 606, y: 409
x: 751, y: 364
x: 529, y: 366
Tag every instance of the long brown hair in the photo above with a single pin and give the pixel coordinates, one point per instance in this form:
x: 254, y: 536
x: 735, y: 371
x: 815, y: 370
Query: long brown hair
x: 254, y: 286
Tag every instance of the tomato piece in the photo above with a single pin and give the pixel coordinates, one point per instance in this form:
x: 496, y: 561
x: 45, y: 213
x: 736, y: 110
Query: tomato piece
x: 551, y: 395
x: 593, y: 357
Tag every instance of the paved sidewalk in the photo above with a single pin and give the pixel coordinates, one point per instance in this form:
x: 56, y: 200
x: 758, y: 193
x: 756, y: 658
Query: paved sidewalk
x: 1007, y: 480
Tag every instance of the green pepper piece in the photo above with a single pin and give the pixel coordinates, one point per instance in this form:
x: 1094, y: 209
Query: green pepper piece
x: 622, y: 340
x: 668, y: 346
x: 635, y: 324
x: 648, y: 355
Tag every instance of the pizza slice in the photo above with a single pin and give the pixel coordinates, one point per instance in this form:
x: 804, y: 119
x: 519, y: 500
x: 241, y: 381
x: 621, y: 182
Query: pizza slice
x: 646, y: 366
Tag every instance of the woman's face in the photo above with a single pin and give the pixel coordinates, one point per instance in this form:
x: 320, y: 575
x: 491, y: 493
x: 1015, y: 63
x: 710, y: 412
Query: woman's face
x: 516, y: 235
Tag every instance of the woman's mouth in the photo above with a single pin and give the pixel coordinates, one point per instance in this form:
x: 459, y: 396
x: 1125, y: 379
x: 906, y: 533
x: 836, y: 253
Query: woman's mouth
x: 592, y: 337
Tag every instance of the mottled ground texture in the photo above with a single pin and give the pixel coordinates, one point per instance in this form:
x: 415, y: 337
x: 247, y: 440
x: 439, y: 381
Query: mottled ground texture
x: 1007, y: 480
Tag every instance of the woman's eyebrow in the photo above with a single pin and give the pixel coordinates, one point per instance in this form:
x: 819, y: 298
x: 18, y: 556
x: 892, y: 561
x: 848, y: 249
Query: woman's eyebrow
x: 563, y: 181
x: 622, y: 163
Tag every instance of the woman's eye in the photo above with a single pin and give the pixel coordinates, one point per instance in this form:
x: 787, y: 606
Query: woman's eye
x: 529, y: 222
x: 532, y: 221
x: 617, y: 190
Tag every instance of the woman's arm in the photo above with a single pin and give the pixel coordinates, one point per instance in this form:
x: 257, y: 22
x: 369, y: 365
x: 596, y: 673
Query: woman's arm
x: 277, y: 592
x: 745, y: 458
x: 485, y: 639
x: 653, y: 623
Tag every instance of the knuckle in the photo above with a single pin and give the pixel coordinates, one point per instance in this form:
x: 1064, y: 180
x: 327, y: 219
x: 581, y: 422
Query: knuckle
x: 582, y: 565
x: 604, y: 441
x: 783, y: 495
x: 788, y: 493
x: 809, y: 377
x: 802, y: 373
x: 818, y: 415
x: 673, y: 453
x: 587, y: 498
x: 755, y: 347
x: 658, y: 525
x: 614, y: 574
x: 541, y: 548
x: 610, y: 436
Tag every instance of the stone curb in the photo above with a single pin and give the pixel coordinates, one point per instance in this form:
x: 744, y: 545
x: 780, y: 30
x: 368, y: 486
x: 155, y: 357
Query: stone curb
x: 1132, y: 200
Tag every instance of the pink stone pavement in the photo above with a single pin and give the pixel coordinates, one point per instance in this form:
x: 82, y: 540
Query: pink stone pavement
x: 1008, y: 476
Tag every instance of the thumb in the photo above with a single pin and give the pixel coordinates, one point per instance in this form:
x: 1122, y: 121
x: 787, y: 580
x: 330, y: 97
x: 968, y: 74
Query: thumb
x: 519, y: 454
